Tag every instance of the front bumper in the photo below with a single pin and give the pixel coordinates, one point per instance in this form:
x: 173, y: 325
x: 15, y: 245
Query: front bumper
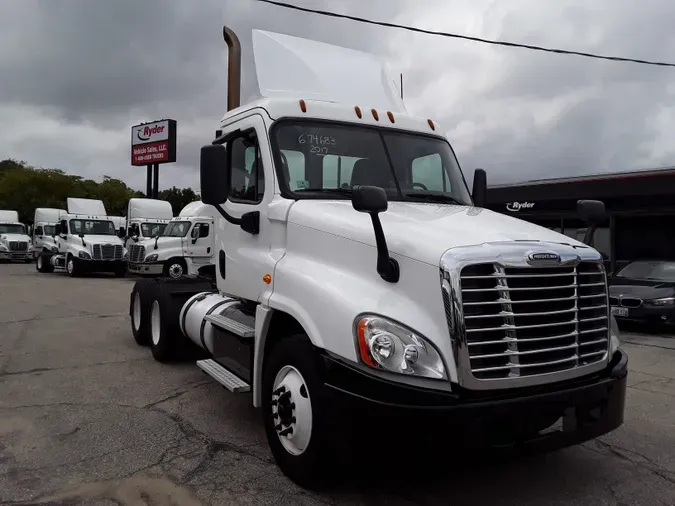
x: 589, y: 407
x: 89, y: 265
x: 645, y: 313
x: 146, y: 269
x: 16, y: 255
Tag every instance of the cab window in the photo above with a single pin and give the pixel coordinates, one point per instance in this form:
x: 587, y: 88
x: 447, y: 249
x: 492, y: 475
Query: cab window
x: 247, y: 177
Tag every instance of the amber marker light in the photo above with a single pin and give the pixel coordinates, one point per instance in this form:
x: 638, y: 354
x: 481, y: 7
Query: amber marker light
x: 431, y: 124
x: 358, y: 112
x: 375, y: 115
x: 267, y: 278
x: 364, y: 349
x: 303, y: 106
x: 391, y: 116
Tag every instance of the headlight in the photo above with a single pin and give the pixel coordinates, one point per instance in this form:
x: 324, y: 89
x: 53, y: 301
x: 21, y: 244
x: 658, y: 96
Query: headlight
x: 84, y: 255
x: 152, y: 258
x: 386, y: 345
x: 55, y: 249
x: 614, y: 342
x: 668, y: 301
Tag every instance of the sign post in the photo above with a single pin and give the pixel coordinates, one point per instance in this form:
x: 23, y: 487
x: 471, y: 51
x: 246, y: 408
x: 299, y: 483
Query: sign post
x: 152, y: 144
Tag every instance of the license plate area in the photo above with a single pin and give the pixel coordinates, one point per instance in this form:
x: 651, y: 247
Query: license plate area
x: 620, y: 311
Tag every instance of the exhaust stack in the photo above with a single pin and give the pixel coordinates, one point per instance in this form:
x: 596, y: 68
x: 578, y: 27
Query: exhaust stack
x: 233, y: 69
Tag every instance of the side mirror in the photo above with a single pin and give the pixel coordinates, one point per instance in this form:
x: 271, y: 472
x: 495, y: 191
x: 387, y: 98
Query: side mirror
x: 135, y: 238
x: 57, y: 230
x: 593, y: 213
x: 373, y: 200
x: 214, y: 174
x: 479, y: 191
x: 122, y: 233
x: 194, y: 234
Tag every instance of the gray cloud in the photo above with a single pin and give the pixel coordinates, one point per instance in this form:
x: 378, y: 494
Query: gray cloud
x: 77, y: 74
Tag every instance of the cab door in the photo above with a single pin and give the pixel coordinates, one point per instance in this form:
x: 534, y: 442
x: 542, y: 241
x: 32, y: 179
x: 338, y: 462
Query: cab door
x: 242, y: 258
x: 200, y: 242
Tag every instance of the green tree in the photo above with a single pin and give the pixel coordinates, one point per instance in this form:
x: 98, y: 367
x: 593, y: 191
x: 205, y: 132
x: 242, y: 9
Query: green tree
x: 178, y: 197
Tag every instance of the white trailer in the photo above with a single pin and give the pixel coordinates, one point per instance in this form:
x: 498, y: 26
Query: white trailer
x: 15, y: 244
x: 360, y: 286
x: 87, y: 241
x: 185, y: 246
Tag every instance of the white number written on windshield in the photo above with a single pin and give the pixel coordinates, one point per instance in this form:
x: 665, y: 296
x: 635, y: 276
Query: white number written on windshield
x: 318, y: 143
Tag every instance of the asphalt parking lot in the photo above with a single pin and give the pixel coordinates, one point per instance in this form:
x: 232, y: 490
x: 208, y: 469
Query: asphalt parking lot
x: 87, y: 417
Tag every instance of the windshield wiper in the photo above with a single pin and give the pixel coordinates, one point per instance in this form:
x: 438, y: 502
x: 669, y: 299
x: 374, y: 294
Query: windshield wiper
x: 433, y: 197
x: 343, y: 191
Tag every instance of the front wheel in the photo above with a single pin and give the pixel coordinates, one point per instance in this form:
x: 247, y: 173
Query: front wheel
x: 72, y: 267
x: 295, y: 412
x: 175, y: 268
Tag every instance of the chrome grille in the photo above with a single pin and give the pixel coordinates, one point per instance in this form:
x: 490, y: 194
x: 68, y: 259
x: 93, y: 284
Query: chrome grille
x: 18, y: 246
x: 136, y: 253
x: 107, y: 252
x: 529, y: 321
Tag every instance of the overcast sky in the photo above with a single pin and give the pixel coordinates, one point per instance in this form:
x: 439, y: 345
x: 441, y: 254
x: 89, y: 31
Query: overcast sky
x: 76, y: 74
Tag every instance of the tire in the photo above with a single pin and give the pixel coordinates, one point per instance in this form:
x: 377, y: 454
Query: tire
x: 174, y: 268
x: 43, y: 264
x: 306, y: 454
x: 72, y: 266
x: 139, y: 311
x: 167, y: 342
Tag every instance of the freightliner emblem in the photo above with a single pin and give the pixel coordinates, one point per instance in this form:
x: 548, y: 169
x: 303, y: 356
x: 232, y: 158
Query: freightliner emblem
x: 543, y: 258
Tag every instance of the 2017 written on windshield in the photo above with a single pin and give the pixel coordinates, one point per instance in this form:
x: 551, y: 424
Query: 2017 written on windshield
x: 318, y: 143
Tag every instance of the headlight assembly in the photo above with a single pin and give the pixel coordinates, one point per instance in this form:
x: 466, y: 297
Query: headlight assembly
x: 84, y: 255
x: 667, y: 301
x: 388, y: 346
x: 152, y: 258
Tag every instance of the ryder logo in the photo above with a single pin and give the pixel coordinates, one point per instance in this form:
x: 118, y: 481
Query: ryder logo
x: 517, y: 206
x: 146, y: 133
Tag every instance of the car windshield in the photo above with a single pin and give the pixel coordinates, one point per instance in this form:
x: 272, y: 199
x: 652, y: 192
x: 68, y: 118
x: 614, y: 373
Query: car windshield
x: 658, y: 270
x: 12, y: 228
x: 152, y: 229
x: 177, y: 229
x: 92, y: 227
x: 49, y: 230
x: 322, y: 159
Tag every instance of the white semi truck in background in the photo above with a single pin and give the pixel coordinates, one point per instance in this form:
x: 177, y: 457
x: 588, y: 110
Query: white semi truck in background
x: 355, y: 269
x: 15, y: 243
x: 87, y: 241
x: 185, y: 246
x: 45, y: 221
x: 146, y: 219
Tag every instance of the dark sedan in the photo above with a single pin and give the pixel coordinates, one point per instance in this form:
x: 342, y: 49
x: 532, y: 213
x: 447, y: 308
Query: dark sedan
x: 644, y: 290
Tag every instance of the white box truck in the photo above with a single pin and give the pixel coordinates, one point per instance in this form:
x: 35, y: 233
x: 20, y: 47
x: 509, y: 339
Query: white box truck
x: 45, y: 221
x: 184, y: 247
x: 15, y: 243
x: 146, y: 219
x: 355, y: 269
x: 87, y: 241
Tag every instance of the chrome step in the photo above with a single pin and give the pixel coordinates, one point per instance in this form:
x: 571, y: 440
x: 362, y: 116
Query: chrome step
x: 230, y: 325
x: 226, y: 378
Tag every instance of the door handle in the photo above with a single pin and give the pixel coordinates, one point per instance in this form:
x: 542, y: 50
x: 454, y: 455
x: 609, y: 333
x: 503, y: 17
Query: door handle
x: 221, y: 263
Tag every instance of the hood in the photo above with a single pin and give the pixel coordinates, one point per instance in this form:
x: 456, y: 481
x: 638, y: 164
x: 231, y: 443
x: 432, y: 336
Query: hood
x: 162, y: 242
x: 419, y: 230
x: 101, y: 239
x: 645, y: 289
x: 14, y: 237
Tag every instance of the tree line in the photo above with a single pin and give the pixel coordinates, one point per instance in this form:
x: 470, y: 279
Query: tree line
x: 24, y: 188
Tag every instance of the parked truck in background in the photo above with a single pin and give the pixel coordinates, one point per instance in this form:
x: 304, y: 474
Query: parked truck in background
x: 184, y: 247
x: 355, y: 269
x: 15, y: 243
x: 146, y: 219
x: 45, y: 221
x: 120, y: 223
x: 87, y: 241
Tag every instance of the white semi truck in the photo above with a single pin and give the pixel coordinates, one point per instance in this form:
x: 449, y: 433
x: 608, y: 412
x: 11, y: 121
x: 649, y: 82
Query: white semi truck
x: 15, y: 243
x: 146, y: 219
x: 87, y: 241
x: 355, y: 269
x: 44, y: 229
x: 185, y: 246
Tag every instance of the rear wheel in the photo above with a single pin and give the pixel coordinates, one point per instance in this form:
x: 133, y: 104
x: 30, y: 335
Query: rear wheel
x: 43, y: 264
x: 139, y: 311
x: 295, y: 412
x: 167, y: 342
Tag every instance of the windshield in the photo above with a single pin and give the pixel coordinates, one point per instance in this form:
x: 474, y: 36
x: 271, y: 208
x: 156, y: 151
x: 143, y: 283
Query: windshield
x: 326, y: 158
x: 92, y: 227
x: 177, y: 229
x: 661, y: 271
x: 49, y: 230
x: 12, y: 228
x: 152, y: 229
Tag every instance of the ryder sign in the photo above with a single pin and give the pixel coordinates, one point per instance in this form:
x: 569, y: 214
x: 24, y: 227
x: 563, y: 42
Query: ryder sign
x: 153, y: 142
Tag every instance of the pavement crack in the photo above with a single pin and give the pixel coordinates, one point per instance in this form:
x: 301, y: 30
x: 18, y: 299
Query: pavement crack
x: 49, y: 318
x: 39, y: 370
x: 177, y: 394
x: 641, y: 460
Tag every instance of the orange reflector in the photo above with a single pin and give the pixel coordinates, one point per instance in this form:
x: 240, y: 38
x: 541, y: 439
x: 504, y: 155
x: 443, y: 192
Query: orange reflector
x: 267, y: 279
x: 375, y: 115
x: 303, y: 106
x: 358, y: 112
x: 364, y: 349
x: 391, y: 117
x: 431, y: 124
